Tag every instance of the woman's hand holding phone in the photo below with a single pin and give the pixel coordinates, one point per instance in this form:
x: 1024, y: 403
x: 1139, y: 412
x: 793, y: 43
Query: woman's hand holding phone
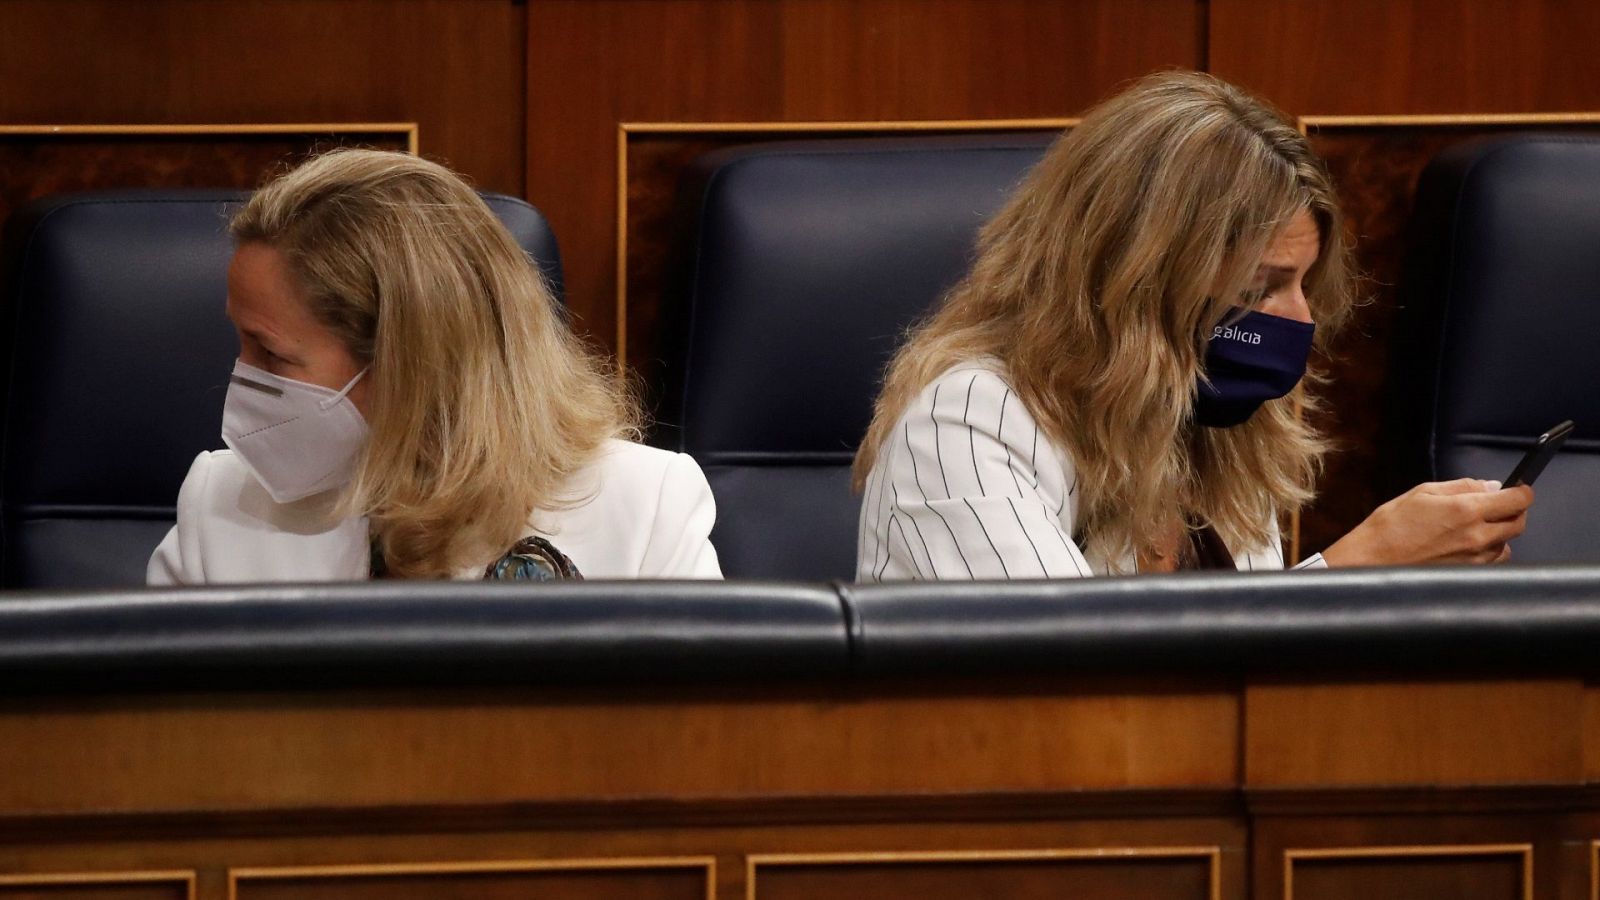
x: 1460, y: 521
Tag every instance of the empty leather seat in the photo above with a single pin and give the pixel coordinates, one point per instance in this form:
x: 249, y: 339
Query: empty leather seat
x: 1499, y: 328
x: 806, y: 263
x: 119, y: 359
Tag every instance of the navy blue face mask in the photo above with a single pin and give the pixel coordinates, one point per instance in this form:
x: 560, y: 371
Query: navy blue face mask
x: 1249, y: 360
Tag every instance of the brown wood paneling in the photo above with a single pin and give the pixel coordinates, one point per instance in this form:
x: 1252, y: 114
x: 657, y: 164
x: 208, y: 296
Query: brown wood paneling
x: 588, y: 880
x: 300, y: 843
x: 594, y: 64
x: 94, y: 892
x: 1390, y: 734
x: 1591, y: 735
x: 34, y: 164
x: 1371, y: 852
x: 109, y: 891
x: 454, y: 66
x: 1107, y: 873
x: 1410, y: 56
x: 98, y: 886
x: 228, y: 753
x: 1402, y: 873
x: 1375, y: 166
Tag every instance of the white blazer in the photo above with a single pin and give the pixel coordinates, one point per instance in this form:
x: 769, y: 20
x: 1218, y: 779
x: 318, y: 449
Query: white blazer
x: 967, y: 488
x: 648, y: 515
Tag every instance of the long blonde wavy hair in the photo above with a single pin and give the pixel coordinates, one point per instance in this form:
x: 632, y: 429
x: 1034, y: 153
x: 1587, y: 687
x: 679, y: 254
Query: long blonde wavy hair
x: 1097, y: 286
x: 482, y: 403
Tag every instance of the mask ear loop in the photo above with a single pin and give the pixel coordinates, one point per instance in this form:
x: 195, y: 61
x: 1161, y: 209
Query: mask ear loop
x: 331, y: 402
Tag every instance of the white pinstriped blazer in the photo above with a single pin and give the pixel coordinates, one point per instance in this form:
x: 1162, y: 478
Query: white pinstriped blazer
x: 967, y: 488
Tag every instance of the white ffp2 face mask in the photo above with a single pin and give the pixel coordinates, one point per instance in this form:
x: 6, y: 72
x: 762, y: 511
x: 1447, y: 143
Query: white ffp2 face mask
x: 298, y: 439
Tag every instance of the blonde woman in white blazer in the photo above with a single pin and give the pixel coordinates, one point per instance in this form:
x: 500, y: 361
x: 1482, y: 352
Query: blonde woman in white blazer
x: 408, y: 404
x: 1113, y: 388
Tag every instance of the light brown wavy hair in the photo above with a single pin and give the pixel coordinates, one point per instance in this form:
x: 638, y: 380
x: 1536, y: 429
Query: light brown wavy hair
x: 483, y: 404
x: 1097, y: 286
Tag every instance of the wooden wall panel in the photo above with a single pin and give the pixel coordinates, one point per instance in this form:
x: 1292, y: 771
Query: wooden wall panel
x: 472, y: 846
x: 1109, y: 873
x: 1397, y: 733
x: 222, y: 753
x: 578, y: 880
x: 34, y: 164
x: 594, y: 64
x: 1400, y: 873
x: 454, y: 66
x: 98, y: 886
x: 1411, y: 56
x: 64, y: 890
x: 1513, y: 855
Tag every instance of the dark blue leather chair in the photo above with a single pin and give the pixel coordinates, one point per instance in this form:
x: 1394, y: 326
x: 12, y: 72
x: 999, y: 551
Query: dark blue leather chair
x: 1500, y: 328
x: 119, y: 354
x: 805, y: 264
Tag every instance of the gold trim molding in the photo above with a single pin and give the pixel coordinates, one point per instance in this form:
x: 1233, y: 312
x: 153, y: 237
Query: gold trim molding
x: 626, y: 130
x: 1304, y: 123
x: 1525, y: 851
x: 408, y: 129
x: 1213, y: 855
x: 1594, y: 870
x: 183, y: 877
x: 400, y: 870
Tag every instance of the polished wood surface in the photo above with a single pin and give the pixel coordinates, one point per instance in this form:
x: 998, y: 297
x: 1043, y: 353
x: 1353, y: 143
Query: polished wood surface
x: 1503, y: 732
x: 622, y: 879
x: 1397, y: 873
x: 1513, y: 854
x: 595, y: 64
x: 1410, y: 56
x: 37, y: 162
x: 99, y: 886
x: 1133, y: 788
x: 456, y: 67
x: 187, y: 754
x: 1154, y: 873
x: 70, y: 890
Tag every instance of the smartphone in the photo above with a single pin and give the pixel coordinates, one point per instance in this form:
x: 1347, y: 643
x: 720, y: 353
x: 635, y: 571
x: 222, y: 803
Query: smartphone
x: 1539, y: 455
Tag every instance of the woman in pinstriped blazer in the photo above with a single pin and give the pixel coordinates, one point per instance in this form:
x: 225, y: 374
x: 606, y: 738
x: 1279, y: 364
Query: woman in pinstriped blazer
x: 1113, y: 387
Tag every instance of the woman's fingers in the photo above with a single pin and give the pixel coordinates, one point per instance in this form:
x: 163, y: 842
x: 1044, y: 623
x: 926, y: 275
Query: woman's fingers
x: 1504, y: 504
x: 1492, y: 555
x: 1456, y: 486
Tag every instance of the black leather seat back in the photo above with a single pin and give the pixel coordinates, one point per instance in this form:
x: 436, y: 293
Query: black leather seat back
x: 119, y: 358
x: 808, y: 262
x: 1504, y: 289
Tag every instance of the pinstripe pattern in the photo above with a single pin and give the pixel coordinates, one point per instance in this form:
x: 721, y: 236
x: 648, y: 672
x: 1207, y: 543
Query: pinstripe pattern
x: 967, y: 489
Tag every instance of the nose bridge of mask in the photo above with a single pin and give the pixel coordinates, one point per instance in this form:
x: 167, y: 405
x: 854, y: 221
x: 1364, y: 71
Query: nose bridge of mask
x: 273, y: 385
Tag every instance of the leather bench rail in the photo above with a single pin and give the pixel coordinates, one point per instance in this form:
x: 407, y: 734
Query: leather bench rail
x: 640, y: 635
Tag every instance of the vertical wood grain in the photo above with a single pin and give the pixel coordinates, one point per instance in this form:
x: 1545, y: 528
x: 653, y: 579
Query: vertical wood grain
x: 1411, y: 56
x: 1413, y: 733
x: 594, y: 64
x: 456, y: 67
